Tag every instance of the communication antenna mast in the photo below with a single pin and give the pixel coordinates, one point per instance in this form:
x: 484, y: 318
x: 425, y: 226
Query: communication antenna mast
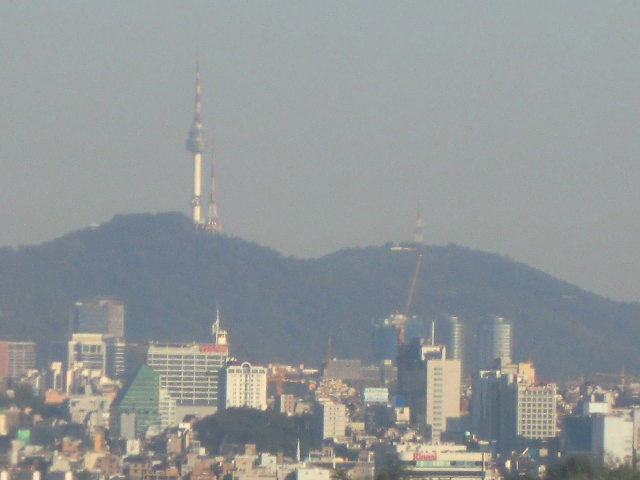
x: 418, y: 232
x: 213, y: 223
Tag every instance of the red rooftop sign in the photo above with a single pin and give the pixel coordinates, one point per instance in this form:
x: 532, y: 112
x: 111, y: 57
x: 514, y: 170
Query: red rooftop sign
x: 424, y: 457
x: 213, y: 348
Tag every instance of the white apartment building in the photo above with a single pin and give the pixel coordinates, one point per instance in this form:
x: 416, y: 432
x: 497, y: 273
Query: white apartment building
x: 443, y: 394
x: 246, y: 386
x: 537, y: 411
x: 330, y: 419
x: 612, y: 439
x: 609, y: 438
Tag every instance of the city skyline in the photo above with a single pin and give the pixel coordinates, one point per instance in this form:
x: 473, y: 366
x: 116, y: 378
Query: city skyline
x: 511, y: 125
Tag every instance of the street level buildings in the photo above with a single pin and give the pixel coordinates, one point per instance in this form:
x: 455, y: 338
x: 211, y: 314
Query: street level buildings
x: 435, y: 461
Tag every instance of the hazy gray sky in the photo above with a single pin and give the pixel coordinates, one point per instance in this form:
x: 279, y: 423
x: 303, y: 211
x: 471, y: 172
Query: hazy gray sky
x: 515, y: 124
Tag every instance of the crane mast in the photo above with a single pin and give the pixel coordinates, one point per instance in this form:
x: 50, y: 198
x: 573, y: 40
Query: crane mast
x: 402, y: 318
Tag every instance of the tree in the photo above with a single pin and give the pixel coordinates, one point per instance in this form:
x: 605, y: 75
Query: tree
x: 584, y: 468
x: 25, y: 397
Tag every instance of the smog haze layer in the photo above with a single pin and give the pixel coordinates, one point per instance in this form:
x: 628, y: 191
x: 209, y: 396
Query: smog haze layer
x: 513, y: 124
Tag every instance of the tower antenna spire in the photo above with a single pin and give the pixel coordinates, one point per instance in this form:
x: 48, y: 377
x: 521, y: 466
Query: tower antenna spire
x: 418, y: 232
x: 213, y: 223
x: 218, y: 333
x: 196, y: 145
x: 197, y: 113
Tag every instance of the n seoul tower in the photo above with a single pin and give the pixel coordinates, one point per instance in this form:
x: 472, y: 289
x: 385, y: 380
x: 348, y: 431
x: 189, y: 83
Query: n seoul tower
x: 196, y: 145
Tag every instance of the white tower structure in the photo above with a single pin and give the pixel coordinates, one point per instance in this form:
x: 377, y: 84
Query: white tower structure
x: 196, y: 145
x: 218, y: 333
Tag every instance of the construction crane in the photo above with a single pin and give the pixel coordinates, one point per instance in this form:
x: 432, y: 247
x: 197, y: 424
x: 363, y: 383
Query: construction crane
x: 622, y: 376
x: 400, y: 319
x: 412, y: 288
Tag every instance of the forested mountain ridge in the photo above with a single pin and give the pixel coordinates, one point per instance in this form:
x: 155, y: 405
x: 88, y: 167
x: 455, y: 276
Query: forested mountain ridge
x: 278, y: 308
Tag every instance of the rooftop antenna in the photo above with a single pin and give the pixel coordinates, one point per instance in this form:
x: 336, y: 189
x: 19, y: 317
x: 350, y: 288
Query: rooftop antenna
x: 329, y: 352
x: 433, y: 332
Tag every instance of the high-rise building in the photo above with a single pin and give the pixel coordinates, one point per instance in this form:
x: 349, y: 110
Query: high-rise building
x: 430, y: 384
x: 16, y: 358
x: 384, y: 339
x: 450, y: 333
x: 609, y: 438
x: 613, y: 439
x: 142, y: 403
x: 508, y: 407
x: 412, y: 378
x: 536, y: 411
x: 494, y: 341
x: 192, y: 373
x: 99, y: 315
x: 330, y: 419
x: 385, y: 335
x: 246, y: 386
x: 443, y: 394
x: 96, y: 351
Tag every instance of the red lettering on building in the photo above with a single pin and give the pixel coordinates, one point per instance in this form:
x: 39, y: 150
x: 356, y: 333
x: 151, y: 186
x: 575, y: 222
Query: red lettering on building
x: 424, y: 457
x: 213, y: 348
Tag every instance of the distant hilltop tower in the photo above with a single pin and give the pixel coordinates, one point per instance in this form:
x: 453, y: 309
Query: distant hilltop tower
x: 213, y: 223
x: 196, y: 145
x: 418, y: 232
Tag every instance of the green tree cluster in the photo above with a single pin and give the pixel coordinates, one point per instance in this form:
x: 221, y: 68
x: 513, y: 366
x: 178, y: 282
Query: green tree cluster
x: 583, y: 468
x: 269, y: 431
